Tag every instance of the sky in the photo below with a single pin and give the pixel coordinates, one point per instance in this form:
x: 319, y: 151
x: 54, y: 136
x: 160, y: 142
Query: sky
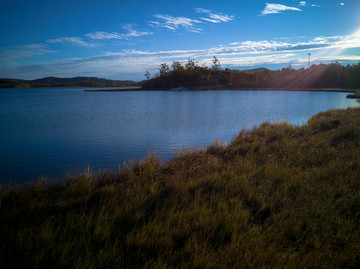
x: 121, y: 39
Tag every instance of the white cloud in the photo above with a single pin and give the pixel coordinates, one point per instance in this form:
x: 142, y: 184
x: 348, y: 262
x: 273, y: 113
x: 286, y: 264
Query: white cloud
x: 302, y: 3
x: 202, y: 10
x: 277, y: 8
x: 174, y: 23
x: 220, y: 17
x: 258, y: 60
x: 133, y: 33
x: 340, y: 58
x: 342, y: 4
x: 231, y: 50
x: 210, y: 20
x: 246, y: 53
x: 104, y: 35
x: 214, y: 17
x: 191, y: 25
x: 71, y: 40
x: 130, y: 32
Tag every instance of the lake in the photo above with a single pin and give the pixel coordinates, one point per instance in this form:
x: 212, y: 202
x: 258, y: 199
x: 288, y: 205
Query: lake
x: 55, y: 131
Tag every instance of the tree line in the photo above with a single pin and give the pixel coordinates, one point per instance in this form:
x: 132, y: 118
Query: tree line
x: 65, y: 82
x: 191, y: 74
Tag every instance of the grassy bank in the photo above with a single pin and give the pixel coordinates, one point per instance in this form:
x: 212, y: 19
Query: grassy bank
x: 277, y: 196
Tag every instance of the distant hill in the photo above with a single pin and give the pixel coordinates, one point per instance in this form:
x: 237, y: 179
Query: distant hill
x: 65, y: 82
x: 258, y: 69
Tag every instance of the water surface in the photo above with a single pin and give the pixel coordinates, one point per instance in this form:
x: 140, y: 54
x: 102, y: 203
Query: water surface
x: 55, y: 131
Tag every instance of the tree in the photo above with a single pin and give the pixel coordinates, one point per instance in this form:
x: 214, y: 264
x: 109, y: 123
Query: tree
x: 216, y: 64
x: 164, y: 69
x: 147, y: 75
x: 176, y: 66
x: 191, y: 64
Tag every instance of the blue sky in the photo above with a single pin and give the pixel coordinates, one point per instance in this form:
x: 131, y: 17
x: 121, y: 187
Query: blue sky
x: 123, y: 39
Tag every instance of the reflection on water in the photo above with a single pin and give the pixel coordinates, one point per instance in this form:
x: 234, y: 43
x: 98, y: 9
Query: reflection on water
x: 54, y: 131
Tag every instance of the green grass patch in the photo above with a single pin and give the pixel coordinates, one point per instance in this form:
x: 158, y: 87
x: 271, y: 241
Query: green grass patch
x: 276, y: 196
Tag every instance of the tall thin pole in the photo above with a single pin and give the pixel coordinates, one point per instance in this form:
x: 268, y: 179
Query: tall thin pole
x: 309, y: 60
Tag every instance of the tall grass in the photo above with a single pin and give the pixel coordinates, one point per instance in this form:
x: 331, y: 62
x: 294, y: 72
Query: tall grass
x: 276, y: 196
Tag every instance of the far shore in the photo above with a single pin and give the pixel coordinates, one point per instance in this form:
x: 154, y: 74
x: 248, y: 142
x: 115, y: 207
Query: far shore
x: 215, y: 88
x: 136, y: 88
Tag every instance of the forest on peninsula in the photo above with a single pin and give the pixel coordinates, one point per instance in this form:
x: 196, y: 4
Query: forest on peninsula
x: 191, y: 74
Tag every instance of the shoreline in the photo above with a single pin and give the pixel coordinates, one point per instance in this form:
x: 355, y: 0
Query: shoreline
x: 223, y: 88
x: 135, y: 88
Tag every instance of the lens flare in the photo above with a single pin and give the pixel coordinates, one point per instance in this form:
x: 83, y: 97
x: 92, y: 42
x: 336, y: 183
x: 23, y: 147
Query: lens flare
x: 337, y: 47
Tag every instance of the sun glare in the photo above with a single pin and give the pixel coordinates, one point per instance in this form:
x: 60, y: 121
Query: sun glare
x: 338, y: 45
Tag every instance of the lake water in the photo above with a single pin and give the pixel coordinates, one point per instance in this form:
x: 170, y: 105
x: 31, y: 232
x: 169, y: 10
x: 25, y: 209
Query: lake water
x: 55, y: 131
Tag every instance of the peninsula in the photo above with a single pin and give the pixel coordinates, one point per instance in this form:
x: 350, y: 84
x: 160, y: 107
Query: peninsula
x: 329, y: 77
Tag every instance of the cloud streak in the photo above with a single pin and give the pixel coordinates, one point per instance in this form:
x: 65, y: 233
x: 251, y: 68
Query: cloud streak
x: 100, y: 35
x: 246, y: 53
x: 130, y: 33
x: 188, y: 24
x: 71, y: 40
x: 214, y: 17
x: 24, y: 51
x: 175, y: 23
x: 277, y: 8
